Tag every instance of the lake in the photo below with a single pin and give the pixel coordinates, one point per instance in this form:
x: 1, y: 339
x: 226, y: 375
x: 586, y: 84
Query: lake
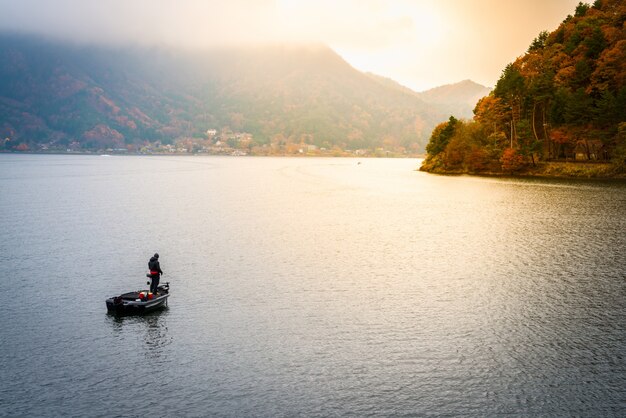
x: 308, y: 287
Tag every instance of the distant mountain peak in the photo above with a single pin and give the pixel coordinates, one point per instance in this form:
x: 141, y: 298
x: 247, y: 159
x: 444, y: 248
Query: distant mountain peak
x: 459, y: 98
x: 463, y: 84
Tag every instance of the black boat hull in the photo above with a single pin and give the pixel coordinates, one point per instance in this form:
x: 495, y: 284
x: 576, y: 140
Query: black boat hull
x: 132, y: 304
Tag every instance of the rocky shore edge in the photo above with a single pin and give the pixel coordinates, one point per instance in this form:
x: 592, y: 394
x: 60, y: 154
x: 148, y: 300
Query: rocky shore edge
x: 551, y: 169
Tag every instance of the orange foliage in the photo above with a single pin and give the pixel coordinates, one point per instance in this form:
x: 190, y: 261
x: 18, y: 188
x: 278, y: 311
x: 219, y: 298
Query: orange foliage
x: 564, y: 75
x: 559, y: 136
x: 611, y: 68
x: 477, y: 160
x: 103, y: 136
x: 455, y: 153
x: 532, y: 65
x: 490, y: 110
x: 511, y: 160
x: 568, y: 86
x: 612, y: 34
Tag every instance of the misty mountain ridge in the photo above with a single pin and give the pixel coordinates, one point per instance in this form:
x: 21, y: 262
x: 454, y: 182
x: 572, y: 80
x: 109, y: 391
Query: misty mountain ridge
x: 100, y: 97
x: 458, y: 98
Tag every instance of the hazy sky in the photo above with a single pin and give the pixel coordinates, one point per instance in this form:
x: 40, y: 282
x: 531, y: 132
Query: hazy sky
x: 419, y: 43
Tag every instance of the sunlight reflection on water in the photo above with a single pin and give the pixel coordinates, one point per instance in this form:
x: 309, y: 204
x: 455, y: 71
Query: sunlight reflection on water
x: 309, y: 287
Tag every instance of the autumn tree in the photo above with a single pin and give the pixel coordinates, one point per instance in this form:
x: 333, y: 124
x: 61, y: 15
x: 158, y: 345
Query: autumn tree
x: 539, y: 42
x: 568, y: 89
x: 491, y: 112
x: 581, y: 9
x: 440, y: 136
x: 511, y: 160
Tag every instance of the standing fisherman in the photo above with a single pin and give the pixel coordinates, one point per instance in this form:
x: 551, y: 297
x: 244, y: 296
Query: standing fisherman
x: 155, y: 272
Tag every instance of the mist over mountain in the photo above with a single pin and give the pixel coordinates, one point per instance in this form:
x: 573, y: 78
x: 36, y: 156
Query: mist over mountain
x: 459, y: 99
x: 54, y: 93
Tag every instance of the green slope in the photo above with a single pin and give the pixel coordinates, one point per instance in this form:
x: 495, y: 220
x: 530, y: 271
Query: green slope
x: 97, y: 96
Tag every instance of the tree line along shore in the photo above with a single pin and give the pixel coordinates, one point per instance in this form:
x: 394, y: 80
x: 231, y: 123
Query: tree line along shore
x: 559, y: 110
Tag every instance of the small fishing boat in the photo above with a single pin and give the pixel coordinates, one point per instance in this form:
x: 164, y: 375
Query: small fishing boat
x: 139, y: 301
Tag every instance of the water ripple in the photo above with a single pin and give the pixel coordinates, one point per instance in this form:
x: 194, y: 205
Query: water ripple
x: 309, y: 287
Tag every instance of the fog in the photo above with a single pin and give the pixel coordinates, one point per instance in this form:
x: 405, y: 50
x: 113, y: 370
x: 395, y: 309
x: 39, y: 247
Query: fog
x: 420, y: 43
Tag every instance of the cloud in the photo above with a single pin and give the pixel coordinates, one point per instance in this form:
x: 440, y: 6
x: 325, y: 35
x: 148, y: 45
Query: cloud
x: 421, y: 43
x: 366, y: 24
x: 183, y: 22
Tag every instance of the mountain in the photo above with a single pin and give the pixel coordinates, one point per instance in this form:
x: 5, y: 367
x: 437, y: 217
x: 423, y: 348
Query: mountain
x: 458, y: 99
x: 392, y: 84
x: 54, y: 94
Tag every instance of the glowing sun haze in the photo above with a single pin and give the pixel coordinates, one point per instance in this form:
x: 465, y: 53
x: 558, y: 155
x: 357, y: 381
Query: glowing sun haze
x: 419, y: 43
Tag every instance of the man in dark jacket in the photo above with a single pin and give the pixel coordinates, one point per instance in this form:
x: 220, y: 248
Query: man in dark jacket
x: 155, y: 272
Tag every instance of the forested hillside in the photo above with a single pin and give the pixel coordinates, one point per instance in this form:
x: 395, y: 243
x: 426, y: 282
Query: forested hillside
x: 563, y: 100
x: 53, y: 95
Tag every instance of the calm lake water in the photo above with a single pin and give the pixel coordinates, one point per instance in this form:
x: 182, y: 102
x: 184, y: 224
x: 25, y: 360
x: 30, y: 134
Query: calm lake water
x: 308, y: 287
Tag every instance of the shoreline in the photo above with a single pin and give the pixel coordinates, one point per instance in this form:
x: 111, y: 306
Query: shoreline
x: 548, y: 170
x: 174, y: 154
